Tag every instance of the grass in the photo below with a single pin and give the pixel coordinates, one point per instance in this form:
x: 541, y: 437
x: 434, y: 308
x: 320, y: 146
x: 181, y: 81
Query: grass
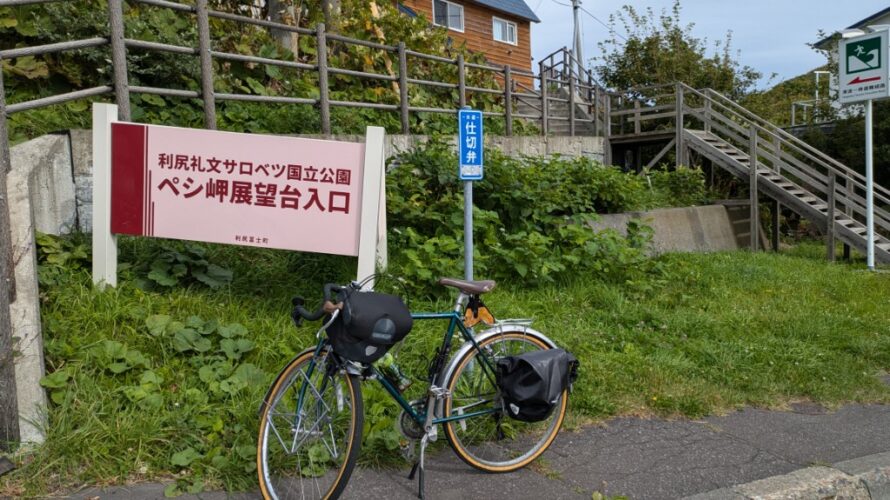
x: 718, y: 332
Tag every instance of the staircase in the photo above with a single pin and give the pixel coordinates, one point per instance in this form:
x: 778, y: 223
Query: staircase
x: 790, y: 194
x: 782, y: 167
x: 567, y: 88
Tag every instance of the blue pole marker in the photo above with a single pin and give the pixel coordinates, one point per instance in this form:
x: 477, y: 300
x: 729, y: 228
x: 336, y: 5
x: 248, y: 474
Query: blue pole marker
x: 470, y: 138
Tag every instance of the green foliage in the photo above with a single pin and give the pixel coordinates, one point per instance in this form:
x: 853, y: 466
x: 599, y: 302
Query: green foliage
x: 774, y: 104
x: 187, y: 380
x: 531, y: 217
x: 681, y: 187
x: 182, y: 265
x: 659, y: 49
x: 33, y: 77
x: 55, y: 254
x: 845, y: 142
x: 798, y: 328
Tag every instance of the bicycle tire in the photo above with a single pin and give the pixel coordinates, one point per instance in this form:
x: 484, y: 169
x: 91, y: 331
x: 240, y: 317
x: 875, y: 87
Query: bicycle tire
x: 499, y: 458
x: 280, y: 485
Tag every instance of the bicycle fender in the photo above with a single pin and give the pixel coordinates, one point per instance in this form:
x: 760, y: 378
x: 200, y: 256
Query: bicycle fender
x: 485, y: 335
x: 277, y: 378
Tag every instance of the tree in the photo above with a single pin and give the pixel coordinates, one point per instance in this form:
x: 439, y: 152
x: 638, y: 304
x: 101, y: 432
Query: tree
x: 659, y: 49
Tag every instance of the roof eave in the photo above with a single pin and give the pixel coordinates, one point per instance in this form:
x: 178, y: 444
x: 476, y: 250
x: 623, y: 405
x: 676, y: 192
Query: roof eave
x: 821, y: 44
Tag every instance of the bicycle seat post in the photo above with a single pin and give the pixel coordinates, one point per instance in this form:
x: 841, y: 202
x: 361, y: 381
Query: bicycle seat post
x: 461, y: 302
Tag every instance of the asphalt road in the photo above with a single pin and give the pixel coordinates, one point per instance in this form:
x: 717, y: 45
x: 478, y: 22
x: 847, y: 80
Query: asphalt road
x: 638, y: 458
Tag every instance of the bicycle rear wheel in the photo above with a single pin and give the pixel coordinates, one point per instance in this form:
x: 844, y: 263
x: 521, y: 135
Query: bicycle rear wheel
x: 310, y: 431
x: 493, y: 442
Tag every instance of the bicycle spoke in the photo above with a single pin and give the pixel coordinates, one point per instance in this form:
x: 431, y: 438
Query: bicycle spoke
x: 320, y: 417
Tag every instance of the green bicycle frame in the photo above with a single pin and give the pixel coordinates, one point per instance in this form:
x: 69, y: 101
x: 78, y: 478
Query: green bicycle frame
x: 454, y: 324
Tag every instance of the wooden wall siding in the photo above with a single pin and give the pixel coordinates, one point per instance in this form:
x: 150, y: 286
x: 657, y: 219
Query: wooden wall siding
x: 479, y: 36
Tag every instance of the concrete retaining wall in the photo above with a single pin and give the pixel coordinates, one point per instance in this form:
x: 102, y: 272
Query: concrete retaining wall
x: 63, y: 193
x: 693, y: 229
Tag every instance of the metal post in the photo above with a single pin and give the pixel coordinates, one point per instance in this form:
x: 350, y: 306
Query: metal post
x: 869, y: 185
x: 752, y: 177
x: 679, y: 126
x: 571, y: 102
x: 848, y: 210
x: 508, y: 100
x: 461, y: 81
x: 544, y: 100
x: 207, y: 93
x: 829, y: 222
x: 323, y: 97
x: 468, y: 230
x: 403, y: 88
x: 777, y: 206
x: 9, y: 413
x: 119, y: 58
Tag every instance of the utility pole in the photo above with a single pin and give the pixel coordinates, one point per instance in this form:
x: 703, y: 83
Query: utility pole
x: 576, y: 43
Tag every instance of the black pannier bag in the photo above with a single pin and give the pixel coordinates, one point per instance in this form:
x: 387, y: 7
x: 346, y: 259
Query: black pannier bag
x: 369, y: 324
x: 531, y: 383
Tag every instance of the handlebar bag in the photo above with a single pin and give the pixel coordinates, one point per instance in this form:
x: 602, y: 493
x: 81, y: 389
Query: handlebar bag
x: 369, y: 324
x: 531, y: 383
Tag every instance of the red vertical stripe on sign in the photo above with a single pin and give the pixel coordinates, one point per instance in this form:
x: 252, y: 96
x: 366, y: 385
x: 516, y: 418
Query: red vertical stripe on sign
x: 128, y: 165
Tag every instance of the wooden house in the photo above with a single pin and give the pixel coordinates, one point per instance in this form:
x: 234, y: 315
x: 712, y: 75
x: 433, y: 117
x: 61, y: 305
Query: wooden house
x: 500, y: 29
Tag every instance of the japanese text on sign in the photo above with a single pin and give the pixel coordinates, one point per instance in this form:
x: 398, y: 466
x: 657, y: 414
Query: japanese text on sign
x: 470, y: 148
x: 276, y: 192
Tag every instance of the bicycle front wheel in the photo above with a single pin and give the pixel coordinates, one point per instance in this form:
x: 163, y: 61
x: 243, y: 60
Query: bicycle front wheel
x: 492, y: 441
x: 310, y: 431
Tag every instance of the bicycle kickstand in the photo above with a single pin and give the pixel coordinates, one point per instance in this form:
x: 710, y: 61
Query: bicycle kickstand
x: 419, y: 466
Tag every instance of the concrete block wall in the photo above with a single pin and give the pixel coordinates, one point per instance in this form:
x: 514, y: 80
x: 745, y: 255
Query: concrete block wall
x: 689, y: 229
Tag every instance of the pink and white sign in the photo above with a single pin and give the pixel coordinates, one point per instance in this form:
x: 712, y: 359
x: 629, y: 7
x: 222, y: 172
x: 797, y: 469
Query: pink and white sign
x: 245, y: 189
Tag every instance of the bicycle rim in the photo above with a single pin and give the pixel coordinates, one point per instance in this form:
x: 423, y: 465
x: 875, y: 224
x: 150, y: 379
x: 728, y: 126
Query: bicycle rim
x: 495, y: 442
x: 310, y: 453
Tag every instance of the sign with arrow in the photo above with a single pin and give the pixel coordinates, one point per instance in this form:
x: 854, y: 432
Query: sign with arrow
x: 864, y: 68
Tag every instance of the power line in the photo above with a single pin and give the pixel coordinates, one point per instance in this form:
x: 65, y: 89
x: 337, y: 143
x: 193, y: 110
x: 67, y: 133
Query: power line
x: 604, y: 24
x: 619, y: 35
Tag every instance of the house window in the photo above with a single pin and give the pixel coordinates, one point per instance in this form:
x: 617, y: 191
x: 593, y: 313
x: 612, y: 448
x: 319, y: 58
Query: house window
x: 448, y: 14
x: 504, y: 31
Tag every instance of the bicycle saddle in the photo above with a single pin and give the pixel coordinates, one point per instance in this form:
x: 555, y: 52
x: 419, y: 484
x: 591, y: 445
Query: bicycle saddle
x: 467, y: 286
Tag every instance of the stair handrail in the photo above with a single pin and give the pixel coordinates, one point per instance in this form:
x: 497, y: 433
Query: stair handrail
x: 566, y: 53
x: 844, y: 170
x: 881, y: 217
x: 839, y: 169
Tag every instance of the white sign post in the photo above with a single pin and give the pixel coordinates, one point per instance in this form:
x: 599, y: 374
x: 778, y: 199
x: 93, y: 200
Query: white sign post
x: 864, y: 75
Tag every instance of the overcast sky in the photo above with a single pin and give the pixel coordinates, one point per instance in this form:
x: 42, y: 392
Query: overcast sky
x: 772, y: 35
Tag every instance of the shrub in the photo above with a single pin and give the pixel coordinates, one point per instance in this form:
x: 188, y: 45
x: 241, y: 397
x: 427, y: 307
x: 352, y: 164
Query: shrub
x: 682, y: 187
x: 531, y: 218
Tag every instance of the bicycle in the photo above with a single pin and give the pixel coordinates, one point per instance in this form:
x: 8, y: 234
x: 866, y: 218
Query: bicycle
x: 312, y: 416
